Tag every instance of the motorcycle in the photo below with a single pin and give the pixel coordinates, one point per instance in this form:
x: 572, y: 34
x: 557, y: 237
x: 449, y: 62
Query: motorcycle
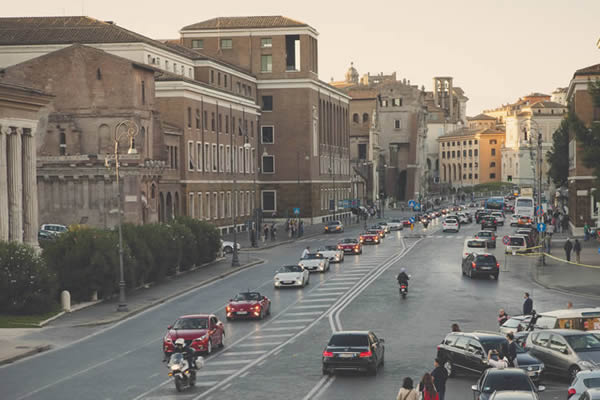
x: 182, y: 373
x: 403, y: 290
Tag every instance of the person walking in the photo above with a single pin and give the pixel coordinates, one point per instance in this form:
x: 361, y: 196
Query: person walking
x: 568, y: 247
x: 273, y: 231
x: 407, y: 391
x: 511, y: 353
x: 266, y: 232
x: 428, y: 388
x: 502, y: 317
x: 586, y: 232
x: 527, y: 304
x: 440, y: 375
x: 577, y: 250
x: 455, y: 327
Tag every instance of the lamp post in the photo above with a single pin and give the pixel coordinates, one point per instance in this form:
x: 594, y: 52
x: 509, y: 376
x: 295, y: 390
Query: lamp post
x: 537, y: 172
x: 124, y: 129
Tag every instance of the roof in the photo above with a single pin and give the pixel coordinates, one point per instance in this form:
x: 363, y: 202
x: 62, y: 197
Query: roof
x: 22, y: 88
x: 574, y: 312
x: 274, y: 21
x: 591, y: 70
x: 166, y: 76
x: 547, y: 104
x: 481, y: 117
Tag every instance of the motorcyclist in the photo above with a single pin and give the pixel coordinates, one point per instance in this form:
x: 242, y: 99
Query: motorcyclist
x: 403, y: 277
x: 189, y: 354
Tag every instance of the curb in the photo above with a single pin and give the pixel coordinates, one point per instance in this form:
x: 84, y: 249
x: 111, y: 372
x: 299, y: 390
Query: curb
x: 60, y: 314
x: 35, y: 350
x: 166, y: 298
x: 562, y: 291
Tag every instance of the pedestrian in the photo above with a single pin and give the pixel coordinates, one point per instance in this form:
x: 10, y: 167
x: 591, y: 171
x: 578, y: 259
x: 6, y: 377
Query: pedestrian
x: 586, y: 232
x: 548, y: 243
x: 273, y: 231
x: 440, y: 375
x: 568, y: 247
x: 511, y: 354
x: 577, y: 250
x: 496, y: 359
x: 301, y: 228
x: 266, y: 232
x: 407, y: 391
x: 253, y: 237
x: 502, y: 317
x: 569, y: 305
x: 527, y: 304
x: 306, y: 252
x: 455, y: 327
x: 428, y: 388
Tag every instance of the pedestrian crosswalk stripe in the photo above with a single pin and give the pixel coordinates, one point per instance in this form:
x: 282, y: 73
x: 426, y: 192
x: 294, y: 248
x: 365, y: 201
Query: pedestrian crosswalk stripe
x: 290, y: 321
x: 311, y: 306
x: 258, y: 344
x: 286, y: 328
x: 203, y: 372
x: 326, y: 299
x: 228, y: 362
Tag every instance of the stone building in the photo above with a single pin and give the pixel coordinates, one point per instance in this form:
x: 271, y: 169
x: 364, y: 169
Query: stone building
x: 20, y: 109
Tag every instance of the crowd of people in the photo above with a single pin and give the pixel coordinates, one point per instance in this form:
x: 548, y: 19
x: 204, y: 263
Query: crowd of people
x: 431, y: 387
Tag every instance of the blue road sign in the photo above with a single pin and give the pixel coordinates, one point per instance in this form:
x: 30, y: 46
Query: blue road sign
x: 541, y: 227
x: 411, y: 203
x: 539, y: 211
x: 598, y: 250
x: 412, y: 220
x: 416, y: 207
x: 296, y: 210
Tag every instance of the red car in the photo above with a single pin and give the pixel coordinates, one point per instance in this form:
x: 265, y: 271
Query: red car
x: 406, y: 223
x: 379, y: 230
x: 248, y: 305
x: 370, y: 237
x: 350, y: 246
x: 202, y: 332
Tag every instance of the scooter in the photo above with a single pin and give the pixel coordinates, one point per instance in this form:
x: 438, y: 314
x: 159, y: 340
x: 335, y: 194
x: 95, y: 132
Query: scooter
x: 181, y: 372
x: 403, y: 290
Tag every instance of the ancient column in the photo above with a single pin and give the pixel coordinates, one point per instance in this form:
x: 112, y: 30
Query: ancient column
x: 30, y: 194
x: 15, y: 186
x: 4, y: 224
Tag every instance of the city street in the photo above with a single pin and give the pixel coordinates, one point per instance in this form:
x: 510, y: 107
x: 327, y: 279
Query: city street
x: 280, y: 357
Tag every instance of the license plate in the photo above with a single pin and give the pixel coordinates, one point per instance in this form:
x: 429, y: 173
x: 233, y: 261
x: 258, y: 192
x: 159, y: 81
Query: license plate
x: 368, y: 240
x: 242, y: 312
x: 486, y: 268
x: 346, y: 355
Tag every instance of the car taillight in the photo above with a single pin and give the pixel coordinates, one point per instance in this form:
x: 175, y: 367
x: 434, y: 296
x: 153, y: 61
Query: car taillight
x: 227, y: 308
x: 356, y: 247
x: 571, y: 392
x: 366, y: 354
x: 327, y: 354
x: 473, y: 265
x: 497, y: 265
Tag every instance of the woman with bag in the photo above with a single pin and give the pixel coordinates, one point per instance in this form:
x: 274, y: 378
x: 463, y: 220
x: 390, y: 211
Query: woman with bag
x: 407, y: 392
x: 428, y: 388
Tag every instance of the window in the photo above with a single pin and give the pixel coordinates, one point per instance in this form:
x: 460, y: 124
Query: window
x: 268, y: 164
x: 239, y: 87
x: 493, y: 141
x: 492, y: 176
x: 384, y: 103
x: 470, y: 153
x: 397, y: 124
x: 443, y: 144
x: 99, y: 74
x: 214, y: 158
x: 292, y: 52
x: 191, y: 155
x: 266, y: 63
x: 252, y: 158
x: 212, y: 121
x: 557, y: 343
x: 465, y: 165
x: 212, y: 76
x: 227, y: 124
x: 267, y: 135
x: 241, y: 160
x: 199, y: 156
x: 397, y: 102
x: 143, y: 92
x: 197, y: 44
x: 205, y: 120
x: 228, y: 205
x: 464, y: 143
x: 218, y: 79
x: 200, y: 212
x: 464, y: 153
x: 226, y: 43
x: 470, y: 176
x: 206, y: 157
x: 252, y: 128
x: 222, y: 205
x: 267, y: 103
x: 493, y: 152
x: 453, y: 154
x: 470, y: 142
x: 224, y: 80
x: 470, y: 165
x: 492, y: 164
x: 63, y: 144
x: 197, y: 119
x: 221, y: 158
x: 355, y: 118
x: 227, y: 158
x: 365, y: 118
x: 220, y: 123
x: 475, y: 141
x: 207, y: 206
x: 191, y: 205
x: 476, y: 176
x: 269, y: 200
x: 189, y: 117
x: 464, y: 176
x: 443, y: 154
x: 475, y: 152
x: 266, y: 43
x: 215, y: 210
x: 362, y: 151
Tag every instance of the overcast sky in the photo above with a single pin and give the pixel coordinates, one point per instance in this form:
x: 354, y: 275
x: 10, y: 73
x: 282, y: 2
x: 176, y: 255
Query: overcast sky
x: 496, y: 50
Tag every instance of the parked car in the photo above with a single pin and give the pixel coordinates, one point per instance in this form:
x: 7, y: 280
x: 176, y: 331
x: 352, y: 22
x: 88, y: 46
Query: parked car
x: 468, y: 351
x: 495, y: 381
x: 564, y: 351
x: 396, y: 225
x: 583, y: 381
x: 450, y: 224
x: 354, y: 351
x: 291, y: 275
x: 248, y: 305
x: 334, y: 227
x: 53, y: 229
x: 474, y: 246
x: 314, y: 262
x: 350, y: 246
x: 514, y: 324
x: 480, y: 264
x: 333, y: 253
x: 227, y: 246
x: 489, y: 236
x: 489, y: 222
x: 201, y: 332
x: 585, y: 319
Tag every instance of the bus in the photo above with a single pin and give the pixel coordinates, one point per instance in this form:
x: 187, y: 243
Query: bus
x: 495, y: 203
x: 524, y: 206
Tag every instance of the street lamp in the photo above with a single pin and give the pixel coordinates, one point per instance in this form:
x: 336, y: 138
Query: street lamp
x: 124, y: 129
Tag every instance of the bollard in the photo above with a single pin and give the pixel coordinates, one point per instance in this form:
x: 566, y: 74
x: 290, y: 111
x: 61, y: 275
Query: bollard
x: 65, y: 300
x: 95, y: 295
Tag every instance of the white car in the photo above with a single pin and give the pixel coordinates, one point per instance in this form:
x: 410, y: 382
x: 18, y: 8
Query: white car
x: 291, y: 275
x: 333, y: 253
x: 499, y: 217
x: 53, y: 229
x: 474, y: 246
x: 514, y: 219
x: 517, y: 243
x: 314, y: 262
x: 462, y: 218
x: 513, y: 324
x: 583, y: 381
x: 450, y: 224
x: 227, y: 246
x: 396, y: 225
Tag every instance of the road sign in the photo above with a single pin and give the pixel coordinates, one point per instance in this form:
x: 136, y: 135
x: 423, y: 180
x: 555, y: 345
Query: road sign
x: 539, y: 211
x: 411, y: 203
x: 417, y: 207
x: 296, y: 210
x: 412, y: 220
x: 506, y: 240
x: 541, y: 227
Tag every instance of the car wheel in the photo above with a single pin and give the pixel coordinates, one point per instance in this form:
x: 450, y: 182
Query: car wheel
x: 573, y: 371
x: 449, y: 368
x: 372, y: 370
x: 326, y: 371
x: 209, y: 347
x: 496, y: 276
x: 222, y: 344
x: 227, y: 250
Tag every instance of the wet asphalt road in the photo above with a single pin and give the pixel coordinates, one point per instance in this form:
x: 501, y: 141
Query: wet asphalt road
x: 280, y: 357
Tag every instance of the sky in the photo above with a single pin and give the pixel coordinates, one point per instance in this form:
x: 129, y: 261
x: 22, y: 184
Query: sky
x: 496, y: 50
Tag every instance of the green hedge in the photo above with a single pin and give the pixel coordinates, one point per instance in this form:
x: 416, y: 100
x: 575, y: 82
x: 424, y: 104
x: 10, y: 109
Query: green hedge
x: 27, y: 286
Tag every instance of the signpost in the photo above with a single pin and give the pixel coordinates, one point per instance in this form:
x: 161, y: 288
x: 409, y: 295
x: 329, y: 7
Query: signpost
x: 296, y: 210
x: 411, y: 203
x: 506, y: 240
x: 541, y: 227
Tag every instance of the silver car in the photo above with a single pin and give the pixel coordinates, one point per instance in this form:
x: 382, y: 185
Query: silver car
x: 565, y: 351
x: 590, y: 394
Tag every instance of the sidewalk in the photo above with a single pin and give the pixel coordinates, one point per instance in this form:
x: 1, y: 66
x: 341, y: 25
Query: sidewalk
x: 15, y: 344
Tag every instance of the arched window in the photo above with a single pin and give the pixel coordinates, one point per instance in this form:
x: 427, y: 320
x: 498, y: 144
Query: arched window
x: 365, y: 117
x: 355, y: 118
x: 99, y: 74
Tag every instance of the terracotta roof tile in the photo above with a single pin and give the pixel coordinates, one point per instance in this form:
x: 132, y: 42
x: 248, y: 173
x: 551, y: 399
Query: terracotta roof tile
x: 591, y: 70
x: 274, y: 21
x: 481, y: 117
x: 547, y: 104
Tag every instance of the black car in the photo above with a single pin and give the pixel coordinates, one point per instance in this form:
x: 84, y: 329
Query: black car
x: 498, y: 380
x: 489, y: 222
x: 479, y: 214
x: 480, y: 264
x: 353, y: 351
x: 468, y: 352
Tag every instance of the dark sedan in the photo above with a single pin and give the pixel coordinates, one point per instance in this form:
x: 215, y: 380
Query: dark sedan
x: 489, y: 222
x: 496, y: 380
x: 353, y: 351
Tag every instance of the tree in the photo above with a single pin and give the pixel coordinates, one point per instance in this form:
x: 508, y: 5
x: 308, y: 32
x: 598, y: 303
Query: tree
x: 558, y: 155
x: 589, y: 138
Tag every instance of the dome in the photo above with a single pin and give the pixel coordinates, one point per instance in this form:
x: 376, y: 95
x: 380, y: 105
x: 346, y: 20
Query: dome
x: 352, y: 74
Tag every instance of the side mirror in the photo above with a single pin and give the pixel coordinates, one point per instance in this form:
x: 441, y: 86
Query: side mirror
x: 475, y: 388
x: 169, y: 327
x: 541, y: 388
x: 565, y: 351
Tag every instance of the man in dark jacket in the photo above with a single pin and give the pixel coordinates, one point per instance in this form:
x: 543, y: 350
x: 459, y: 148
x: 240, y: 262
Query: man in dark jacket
x: 511, y: 354
x: 440, y: 375
x: 568, y: 247
x: 527, y: 305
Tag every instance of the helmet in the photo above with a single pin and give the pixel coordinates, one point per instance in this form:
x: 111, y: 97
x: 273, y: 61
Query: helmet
x: 180, y: 342
x: 402, y: 270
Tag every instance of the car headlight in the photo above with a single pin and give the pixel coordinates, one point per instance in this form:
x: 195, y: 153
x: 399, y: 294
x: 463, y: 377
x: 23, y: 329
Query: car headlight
x: 299, y: 282
x: 174, y: 367
x: 201, y: 338
x: 168, y: 339
x: 276, y: 278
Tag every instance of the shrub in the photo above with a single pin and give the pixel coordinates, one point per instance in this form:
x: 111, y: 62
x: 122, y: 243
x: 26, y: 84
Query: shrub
x: 27, y: 286
x: 208, y: 238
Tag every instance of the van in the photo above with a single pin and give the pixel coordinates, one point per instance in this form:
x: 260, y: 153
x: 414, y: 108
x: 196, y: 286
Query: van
x: 584, y: 319
x: 517, y: 243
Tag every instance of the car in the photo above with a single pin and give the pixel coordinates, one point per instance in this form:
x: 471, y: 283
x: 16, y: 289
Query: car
x: 565, y: 351
x: 480, y: 264
x: 479, y: 214
x: 513, y: 323
x: 396, y: 225
x: 379, y: 230
x: 489, y: 236
x: 516, y: 244
x: 514, y: 219
x: 333, y: 253
x: 488, y: 222
x: 227, y: 246
x: 54, y: 229
x: 514, y: 395
x: 467, y: 351
x: 291, y: 275
x: 583, y: 381
x: 370, y: 236
x: 350, y: 246
x: 384, y: 225
x: 354, y: 351
x: 248, y: 305
x: 462, y: 218
x: 529, y: 234
x: 334, y: 227
x: 590, y: 394
x: 524, y: 221
x: 314, y: 262
x: 499, y: 215
x: 201, y: 332
x: 45, y: 235
x: 497, y: 380
x: 474, y: 246
x: 406, y: 223
x: 450, y: 224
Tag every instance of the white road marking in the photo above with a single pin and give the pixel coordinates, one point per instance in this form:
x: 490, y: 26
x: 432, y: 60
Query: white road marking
x: 324, y: 289
x: 281, y: 335
x: 245, y: 374
x: 290, y: 321
x: 326, y: 299
x: 216, y: 372
x: 228, y: 362
x: 324, y: 388
x: 258, y: 344
x: 243, y: 353
x: 226, y: 386
x: 311, y: 306
x: 310, y: 395
x: 285, y: 328
x: 325, y: 294
x: 305, y: 313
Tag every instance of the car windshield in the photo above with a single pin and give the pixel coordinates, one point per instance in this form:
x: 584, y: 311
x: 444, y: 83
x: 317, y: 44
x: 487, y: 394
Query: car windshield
x: 485, y: 234
x: 176, y: 358
x: 349, y: 241
x: 500, y: 381
x: 290, y: 268
x: 334, y: 223
x: 486, y: 259
x: 330, y: 248
x: 584, y: 342
x: 450, y: 221
x: 247, y: 296
x: 476, y: 244
x: 313, y: 256
x: 395, y: 220
x: 373, y: 232
x: 516, y: 241
x: 191, y: 323
x: 343, y: 340
x: 492, y: 343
